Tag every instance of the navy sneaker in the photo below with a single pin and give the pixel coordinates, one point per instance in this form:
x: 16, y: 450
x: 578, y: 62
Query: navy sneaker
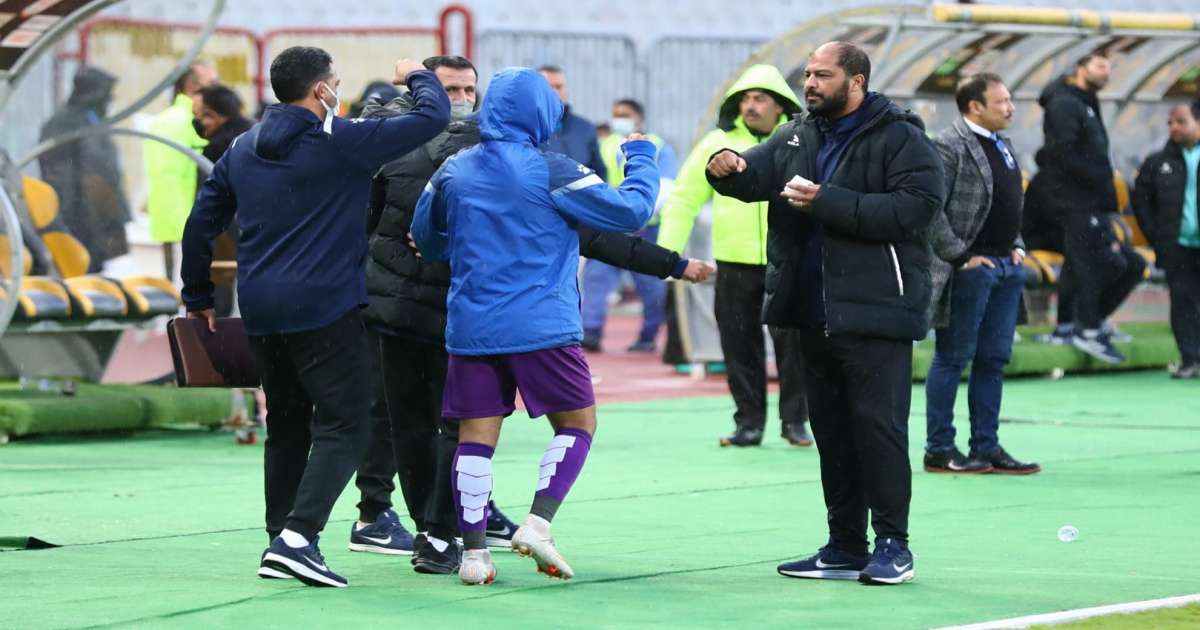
x: 427, y: 559
x: 385, y: 536
x: 304, y: 563
x: 892, y: 563
x: 268, y: 573
x: 830, y: 563
x: 1098, y: 345
x: 500, y: 530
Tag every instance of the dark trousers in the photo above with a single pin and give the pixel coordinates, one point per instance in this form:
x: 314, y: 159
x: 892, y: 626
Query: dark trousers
x: 984, y: 303
x: 1103, y: 271
x: 1183, y: 282
x: 738, y: 309
x: 859, y: 394
x: 318, y: 396
x: 411, y: 438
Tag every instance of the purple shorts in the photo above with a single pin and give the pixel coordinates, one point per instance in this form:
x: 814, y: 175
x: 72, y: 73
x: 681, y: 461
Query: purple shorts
x: 550, y: 381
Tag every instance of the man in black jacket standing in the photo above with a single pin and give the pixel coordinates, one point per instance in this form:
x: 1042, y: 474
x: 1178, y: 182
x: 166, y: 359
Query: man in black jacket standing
x: 1076, y: 180
x: 852, y: 187
x: 407, y: 297
x: 1165, y: 200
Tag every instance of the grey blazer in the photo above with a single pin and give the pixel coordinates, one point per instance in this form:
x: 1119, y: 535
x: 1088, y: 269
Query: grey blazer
x: 968, y: 200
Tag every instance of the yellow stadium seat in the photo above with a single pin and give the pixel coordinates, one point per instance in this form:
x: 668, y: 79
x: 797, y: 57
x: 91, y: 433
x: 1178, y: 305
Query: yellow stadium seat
x: 96, y: 297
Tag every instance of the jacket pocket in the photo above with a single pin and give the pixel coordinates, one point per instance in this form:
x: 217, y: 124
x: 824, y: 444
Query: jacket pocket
x: 894, y: 261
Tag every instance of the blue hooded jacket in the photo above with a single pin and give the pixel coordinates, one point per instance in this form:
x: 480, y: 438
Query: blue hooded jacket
x: 503, y: 214
x: 300, y: 196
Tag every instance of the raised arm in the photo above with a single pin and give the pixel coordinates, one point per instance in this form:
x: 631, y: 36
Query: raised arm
x: 373, y: 142
x: 582, y: 196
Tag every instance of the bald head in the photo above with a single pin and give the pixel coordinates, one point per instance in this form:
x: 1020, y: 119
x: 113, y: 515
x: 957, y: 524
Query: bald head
x: 836, y: 79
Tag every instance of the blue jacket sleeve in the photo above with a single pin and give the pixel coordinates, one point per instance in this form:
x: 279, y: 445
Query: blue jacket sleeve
x: 582, y: 196
x: 211, y: 215
x: 372, y: 142
x: 430, y: 224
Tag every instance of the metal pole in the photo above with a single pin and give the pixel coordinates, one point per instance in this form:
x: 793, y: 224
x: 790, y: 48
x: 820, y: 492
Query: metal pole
x: 48, y: 39
x: 202, y: 162
x: 13, y: 230
x: 185, y: 63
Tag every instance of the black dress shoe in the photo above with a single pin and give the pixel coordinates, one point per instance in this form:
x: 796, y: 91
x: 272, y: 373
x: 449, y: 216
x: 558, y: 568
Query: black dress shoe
x: 1004, y: 464
x: 954, y: 462
x: 797, y: 434
x: 743, y: 437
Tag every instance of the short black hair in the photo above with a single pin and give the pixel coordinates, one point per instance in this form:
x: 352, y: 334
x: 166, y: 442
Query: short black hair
x: 632, y: 104
x: 222, y: 100
x: 449, y: 61
x: 1086, y: 59
x: 188, y: 75
x: 550, y: 69
x: 854, y: 60
x: 296, y: 70
x: 971, y: 89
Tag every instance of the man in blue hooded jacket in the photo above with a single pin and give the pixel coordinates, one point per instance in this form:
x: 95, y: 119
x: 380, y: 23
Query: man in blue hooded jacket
x: 298, y: 182
x: 503, y: 213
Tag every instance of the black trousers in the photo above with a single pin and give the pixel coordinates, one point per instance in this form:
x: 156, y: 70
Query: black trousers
x: 317, y: 388
x: 378, y: 468
x: 1183, y: 282
x: 859, y: 394
x: 411, y: 440
x: 1103, y: 271
x: 738, y: 309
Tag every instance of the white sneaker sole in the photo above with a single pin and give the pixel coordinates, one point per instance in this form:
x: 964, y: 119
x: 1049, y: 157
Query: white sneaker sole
x: 825, y: 574
x: 907, y: 576
x: 543, y: 552
x: 301, y: 572
x: 476, y: 574
x: 504, y: 543
x: 267, y: 573
x: 377, y: 549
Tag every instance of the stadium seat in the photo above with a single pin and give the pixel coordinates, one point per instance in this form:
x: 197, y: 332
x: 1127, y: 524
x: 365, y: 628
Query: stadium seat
x: 93, y: 296
x: 42, y: 298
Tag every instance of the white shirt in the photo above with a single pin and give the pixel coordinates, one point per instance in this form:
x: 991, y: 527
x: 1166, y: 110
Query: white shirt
x: 979, y: 130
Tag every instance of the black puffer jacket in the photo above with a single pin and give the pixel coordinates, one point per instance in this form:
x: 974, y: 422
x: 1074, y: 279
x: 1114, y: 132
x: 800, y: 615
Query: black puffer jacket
x: 1075, y: 173
x: 1158, y: 201
x: 407, y: 294
x: 873, y: 212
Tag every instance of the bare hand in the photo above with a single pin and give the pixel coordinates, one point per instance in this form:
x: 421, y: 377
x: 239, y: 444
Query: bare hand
x: 405, y: 67
x: 1018, y: 256
x: 207, y: 314
x: 698, y: 271
x: 979, y: 261
x: 800, y: 195
x: 635, y: 136
x: 413, y: 244
x: 726, y: 163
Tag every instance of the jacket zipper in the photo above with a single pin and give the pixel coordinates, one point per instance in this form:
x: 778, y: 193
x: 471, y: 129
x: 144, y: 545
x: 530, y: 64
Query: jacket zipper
x: 896, y: 267
x: 762, y: 238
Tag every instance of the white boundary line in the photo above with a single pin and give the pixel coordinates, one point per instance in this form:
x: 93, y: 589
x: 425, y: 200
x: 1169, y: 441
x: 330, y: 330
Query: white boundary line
x: 1081, y: 613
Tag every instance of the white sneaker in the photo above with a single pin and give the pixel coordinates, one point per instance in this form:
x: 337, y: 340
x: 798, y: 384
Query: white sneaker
x: 477, y: 567
x: 534, y: 539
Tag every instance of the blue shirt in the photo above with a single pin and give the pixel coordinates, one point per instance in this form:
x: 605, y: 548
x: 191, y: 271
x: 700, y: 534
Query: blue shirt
x: 300, y: 196
x: 1189, y: 227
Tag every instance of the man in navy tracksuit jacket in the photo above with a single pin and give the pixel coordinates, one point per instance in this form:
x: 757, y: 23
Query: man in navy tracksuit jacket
x: 298, y: 182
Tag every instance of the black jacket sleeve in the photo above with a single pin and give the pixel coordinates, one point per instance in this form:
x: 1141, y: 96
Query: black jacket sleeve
x: 1064, y: 118
x: 915, y: 190
x: 627, y: 252
x: 756, y: 183
x: 376, y: 201
x: 1145, y: 200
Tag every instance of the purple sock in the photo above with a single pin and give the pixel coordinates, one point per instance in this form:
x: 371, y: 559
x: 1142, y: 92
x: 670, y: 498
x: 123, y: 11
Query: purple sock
x: 559, y: 469
x: 471, y: 484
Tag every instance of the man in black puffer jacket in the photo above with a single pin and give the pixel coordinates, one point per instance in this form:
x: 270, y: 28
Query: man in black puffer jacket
x: 407, y: 306
x: 852, y: 187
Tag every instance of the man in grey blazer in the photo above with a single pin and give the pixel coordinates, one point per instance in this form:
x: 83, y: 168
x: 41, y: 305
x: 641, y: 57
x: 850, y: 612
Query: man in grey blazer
x: 977, y: 279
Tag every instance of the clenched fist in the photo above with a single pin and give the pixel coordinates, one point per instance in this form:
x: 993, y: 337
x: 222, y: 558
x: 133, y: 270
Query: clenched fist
x: 698, y: 271
x: 726, y: 163
x: 405, y: 67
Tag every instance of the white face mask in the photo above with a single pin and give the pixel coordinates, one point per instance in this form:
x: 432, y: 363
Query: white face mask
x: 461, y: 109
x: 622, y: 126
x: 330, y: 110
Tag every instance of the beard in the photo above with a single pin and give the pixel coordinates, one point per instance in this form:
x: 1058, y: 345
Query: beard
x: 830, y: 105
x: 1095, y: 85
